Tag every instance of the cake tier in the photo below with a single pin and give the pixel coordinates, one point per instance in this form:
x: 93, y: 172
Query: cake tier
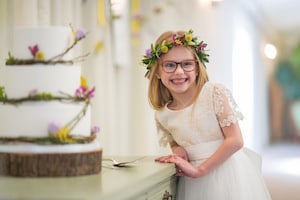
x: 19, y: 81
x: 31, y: 119
x: 50, y: 40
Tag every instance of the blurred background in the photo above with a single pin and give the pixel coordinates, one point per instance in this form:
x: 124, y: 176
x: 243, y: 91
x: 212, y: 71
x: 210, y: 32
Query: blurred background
x: 254, y: 49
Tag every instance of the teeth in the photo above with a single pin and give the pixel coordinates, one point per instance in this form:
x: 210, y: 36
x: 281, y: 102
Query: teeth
x: 178, y: 80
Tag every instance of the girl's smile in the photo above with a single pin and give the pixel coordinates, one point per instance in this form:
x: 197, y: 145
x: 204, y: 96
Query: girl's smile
x: 179, y: 80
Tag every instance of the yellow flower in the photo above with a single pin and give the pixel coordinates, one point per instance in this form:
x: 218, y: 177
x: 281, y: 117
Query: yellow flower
x: 83, y: 82
x: 164, y: 49
x: 63, y: 133
x: 178, y: 42
x: 188, y: 37
x: 40, y: 55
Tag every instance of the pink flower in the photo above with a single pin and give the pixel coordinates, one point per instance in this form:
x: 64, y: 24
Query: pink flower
x: 202, y: 46
x: 174, y: 39
x: 33, y: 50
x: 80, y: 92
x: 84, y: 92
x: 90, y: 94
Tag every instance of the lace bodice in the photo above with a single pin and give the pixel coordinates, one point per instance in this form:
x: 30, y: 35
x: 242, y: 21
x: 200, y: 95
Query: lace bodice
x: 202, y: 121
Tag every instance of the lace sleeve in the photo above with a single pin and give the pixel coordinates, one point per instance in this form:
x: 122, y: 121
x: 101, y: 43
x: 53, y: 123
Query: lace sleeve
x: 164, y: 134
x: 226, y: 109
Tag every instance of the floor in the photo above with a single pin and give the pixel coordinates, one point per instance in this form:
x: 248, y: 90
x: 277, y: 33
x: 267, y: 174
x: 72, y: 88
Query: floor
x: 281, y: 169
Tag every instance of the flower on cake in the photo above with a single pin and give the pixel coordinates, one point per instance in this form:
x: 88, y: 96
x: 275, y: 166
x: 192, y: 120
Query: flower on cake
x: 95, y: 130
x: 79, y: 34
x: 60, y: 133
x: 36, y: 53
x: 83, y: 90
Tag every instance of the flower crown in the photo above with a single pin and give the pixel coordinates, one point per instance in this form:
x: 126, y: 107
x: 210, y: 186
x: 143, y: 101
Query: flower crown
x: 154, y: 53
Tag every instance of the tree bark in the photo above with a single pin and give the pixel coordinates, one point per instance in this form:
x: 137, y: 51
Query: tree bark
x: 50, y: 165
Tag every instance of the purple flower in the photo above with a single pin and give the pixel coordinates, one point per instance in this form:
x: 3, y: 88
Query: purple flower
x: 148, y: 53
x: 33, y: 50
x: 80, y: 33
x: 95, y: 129
x: 33, y: 92
x: 53, y: 128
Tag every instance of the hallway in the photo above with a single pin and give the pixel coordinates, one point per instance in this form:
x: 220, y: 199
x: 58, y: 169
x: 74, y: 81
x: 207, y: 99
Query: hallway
x: 281, y: 169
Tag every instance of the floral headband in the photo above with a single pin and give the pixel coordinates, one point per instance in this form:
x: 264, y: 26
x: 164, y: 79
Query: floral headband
x: 154, y: 53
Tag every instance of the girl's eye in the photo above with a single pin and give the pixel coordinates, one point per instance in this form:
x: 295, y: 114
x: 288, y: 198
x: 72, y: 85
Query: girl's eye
x: 187, y: 63
x: 169, y: 65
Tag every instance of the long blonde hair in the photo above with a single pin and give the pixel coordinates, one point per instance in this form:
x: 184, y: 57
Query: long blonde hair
x: 158, y: 94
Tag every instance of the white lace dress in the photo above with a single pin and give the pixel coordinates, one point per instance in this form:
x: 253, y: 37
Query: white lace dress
x: 197, y: 128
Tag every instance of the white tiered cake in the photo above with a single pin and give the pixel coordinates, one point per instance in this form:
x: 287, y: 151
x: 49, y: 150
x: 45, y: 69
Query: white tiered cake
x: 37, y: 92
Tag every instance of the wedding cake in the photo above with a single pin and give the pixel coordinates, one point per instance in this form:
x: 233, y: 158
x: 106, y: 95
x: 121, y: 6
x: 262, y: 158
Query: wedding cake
x: 45, y: 107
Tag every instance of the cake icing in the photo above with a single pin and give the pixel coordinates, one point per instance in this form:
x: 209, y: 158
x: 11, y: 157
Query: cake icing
x: 20, y: 80
x: 52, y: 40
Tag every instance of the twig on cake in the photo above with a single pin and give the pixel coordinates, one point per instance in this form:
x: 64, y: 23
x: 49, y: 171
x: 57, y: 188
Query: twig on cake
x: 47, y: 140
x: 41, y: 97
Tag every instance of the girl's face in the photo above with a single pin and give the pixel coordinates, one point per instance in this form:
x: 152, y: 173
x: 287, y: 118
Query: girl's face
x: 182, y: 80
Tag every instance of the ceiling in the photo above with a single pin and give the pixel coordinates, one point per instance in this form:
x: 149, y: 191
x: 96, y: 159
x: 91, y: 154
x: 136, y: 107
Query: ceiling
x: 282, y: 16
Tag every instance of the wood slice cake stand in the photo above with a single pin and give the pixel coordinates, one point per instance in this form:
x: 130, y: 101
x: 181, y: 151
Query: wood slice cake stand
x: 29, y: 164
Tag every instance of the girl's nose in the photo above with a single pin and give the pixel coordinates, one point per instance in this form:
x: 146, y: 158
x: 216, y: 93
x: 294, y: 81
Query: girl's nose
x: 179, y: 69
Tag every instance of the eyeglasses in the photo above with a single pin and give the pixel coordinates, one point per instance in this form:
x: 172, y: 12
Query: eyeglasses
x: 186, y: 65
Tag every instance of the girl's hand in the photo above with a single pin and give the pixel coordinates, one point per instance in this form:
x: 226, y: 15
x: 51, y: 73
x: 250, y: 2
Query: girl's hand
x: 184, y: 168
x: 181, y: 152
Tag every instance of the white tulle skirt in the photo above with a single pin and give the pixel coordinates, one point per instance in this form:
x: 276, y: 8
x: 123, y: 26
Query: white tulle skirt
x: 239, y: 178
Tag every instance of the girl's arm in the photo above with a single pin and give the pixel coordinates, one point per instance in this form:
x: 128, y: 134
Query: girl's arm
x: 233, y: 141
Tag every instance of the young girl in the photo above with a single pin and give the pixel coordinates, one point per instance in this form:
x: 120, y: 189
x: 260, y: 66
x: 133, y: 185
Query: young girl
x: 199, y: 120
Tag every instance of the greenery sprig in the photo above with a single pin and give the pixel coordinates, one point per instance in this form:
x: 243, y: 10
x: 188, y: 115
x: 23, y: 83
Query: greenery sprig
x: 37, y: 97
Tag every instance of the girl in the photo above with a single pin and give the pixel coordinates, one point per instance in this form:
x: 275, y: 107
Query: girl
x: 199, y: 120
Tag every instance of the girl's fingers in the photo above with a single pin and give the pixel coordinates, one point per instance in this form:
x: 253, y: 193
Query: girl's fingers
x: 168, y: 158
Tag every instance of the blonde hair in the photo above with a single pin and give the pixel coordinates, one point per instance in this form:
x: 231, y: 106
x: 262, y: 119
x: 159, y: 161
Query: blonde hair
x: 158, y: 94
